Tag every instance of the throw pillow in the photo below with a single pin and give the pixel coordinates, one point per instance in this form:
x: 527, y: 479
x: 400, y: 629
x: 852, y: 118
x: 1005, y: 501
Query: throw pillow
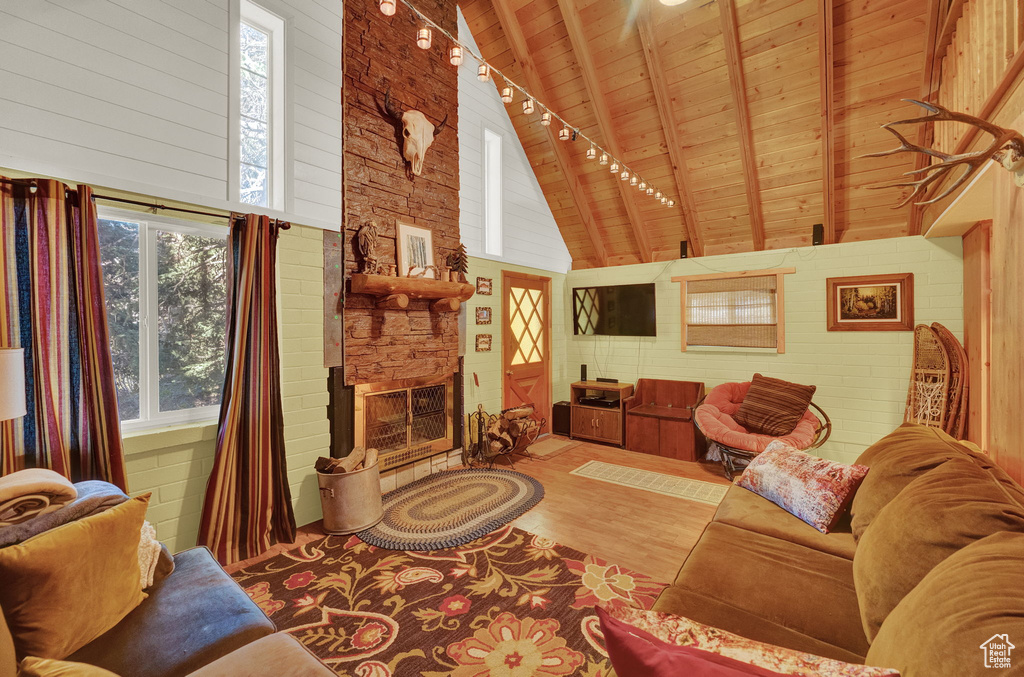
x: 67, y: 586
x: 48, y: 667
x: 814, y: 489
x: 936, y: 515
x: 773, y: 406
x: 638, y: 630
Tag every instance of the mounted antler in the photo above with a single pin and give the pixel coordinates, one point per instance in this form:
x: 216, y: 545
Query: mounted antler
x: 396, y: 113
x: 1007, y: 148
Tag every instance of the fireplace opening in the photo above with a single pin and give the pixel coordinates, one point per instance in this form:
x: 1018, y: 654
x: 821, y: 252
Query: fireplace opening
x: 405, y: 420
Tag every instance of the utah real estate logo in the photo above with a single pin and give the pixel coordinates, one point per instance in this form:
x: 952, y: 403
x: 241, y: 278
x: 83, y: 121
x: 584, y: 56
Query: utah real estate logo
x: 997, y: 650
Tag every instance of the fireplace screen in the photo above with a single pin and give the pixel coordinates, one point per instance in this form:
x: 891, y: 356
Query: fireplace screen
x: 386, y: 418
x: 428, y: 419
x: 405, y: 418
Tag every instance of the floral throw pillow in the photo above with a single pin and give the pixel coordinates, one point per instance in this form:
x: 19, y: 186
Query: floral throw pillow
x: 661, y: 632
x: 814, y: 489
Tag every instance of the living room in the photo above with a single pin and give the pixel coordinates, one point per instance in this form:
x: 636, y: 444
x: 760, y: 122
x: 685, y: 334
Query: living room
x: 237, y: 234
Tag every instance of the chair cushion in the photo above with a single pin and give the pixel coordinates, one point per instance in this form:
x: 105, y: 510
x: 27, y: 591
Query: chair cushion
x: 896, y: 460
x: 936, y: 515
x: 778, y: 582
x: 747, y: 510
x: 276, y: 655
x: 773, y: 406
x: 192, y: 617
x: 67, y: 586
x: 715, y: 419
x: 971, y: 598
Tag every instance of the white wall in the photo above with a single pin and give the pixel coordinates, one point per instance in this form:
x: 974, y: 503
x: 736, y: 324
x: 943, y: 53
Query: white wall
x: 531, y: 236
x: 862, y: 377
x: 133, y: 95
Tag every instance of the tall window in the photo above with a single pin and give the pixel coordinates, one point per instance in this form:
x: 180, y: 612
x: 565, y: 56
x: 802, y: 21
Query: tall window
x: 261, y: 107
x: 492, y: 193
x: 165, y: 283
x: 736, y: 310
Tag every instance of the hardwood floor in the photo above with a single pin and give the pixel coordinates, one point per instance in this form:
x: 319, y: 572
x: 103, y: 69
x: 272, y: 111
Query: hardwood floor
x: 640, y: 530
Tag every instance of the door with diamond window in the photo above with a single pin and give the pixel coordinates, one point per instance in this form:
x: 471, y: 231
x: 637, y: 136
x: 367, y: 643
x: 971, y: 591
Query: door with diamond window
x: 526, y: 344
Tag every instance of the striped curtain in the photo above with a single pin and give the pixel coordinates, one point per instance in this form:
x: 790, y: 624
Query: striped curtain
x: 52, y: 305
x: 248, y: 504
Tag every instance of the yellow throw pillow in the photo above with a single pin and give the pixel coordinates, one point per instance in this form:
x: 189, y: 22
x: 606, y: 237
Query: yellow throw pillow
x: 48, y: 667
x: 67, y: 586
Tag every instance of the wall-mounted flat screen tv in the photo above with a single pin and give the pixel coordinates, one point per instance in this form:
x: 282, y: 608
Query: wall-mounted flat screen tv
x: 620, y: 310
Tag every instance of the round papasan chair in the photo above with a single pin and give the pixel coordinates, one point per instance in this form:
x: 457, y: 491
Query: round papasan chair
x: 735, y: 445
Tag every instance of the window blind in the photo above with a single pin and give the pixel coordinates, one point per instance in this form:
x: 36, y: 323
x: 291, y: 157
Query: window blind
x: 739, y: 312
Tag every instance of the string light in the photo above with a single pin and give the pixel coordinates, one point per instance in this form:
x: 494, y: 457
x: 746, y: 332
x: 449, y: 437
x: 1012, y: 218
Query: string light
x: 456, y: 55
x: 424, y: 37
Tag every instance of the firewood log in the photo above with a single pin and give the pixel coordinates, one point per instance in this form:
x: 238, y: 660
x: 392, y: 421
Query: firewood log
x: 371, y: 458
x: 325, y: 464
x: 350, y: 462
x: 518, y: 412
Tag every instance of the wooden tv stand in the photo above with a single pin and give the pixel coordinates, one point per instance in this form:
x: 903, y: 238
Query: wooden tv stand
x: 597, y: 423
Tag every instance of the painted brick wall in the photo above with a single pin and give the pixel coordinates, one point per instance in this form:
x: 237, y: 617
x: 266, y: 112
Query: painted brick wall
x: 862, y: 377
x: 175, y: 463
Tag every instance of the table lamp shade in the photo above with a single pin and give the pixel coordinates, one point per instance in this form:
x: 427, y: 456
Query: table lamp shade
x: 12, y: 383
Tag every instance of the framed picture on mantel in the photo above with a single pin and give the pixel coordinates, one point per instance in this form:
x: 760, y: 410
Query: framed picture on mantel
x: 415, y: 251
x: 871, y: 303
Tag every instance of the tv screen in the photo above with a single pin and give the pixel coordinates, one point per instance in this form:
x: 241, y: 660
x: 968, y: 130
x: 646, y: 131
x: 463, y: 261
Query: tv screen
x: 620, y: 310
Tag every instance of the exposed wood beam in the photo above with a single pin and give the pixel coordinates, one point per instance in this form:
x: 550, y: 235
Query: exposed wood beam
x: 929, y: 85
x: 521, y: 53
x: 676, y: 152
x: 826, y: 61
x: 738, y: 85
x: 592, y: 87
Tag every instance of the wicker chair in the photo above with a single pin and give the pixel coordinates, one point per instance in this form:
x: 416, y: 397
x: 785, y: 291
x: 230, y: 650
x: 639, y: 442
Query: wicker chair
x: 713, y: 416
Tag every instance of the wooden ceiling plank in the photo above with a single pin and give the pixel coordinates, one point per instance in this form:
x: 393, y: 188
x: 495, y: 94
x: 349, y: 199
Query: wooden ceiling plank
x: 826, y: 54
x: 517, y: 43
x: 592, y: 87
x: 676, y: 151
x: 737, y: 83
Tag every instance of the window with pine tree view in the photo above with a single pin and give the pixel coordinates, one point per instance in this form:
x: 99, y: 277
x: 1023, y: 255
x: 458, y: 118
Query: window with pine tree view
x: 166, y: 292
x: 255, y: 116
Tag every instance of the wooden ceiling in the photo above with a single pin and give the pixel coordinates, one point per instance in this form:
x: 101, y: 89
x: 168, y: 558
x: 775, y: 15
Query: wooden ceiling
x: 750, y: 114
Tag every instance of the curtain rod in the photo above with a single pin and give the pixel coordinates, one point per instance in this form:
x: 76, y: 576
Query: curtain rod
x: 284, y: 225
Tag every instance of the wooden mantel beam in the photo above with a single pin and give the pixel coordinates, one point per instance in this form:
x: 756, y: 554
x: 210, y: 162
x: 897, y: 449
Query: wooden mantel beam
x: 592, y: 87
x: 738, y: 85
x: 676, y: 151
x: 521, y: 53
x: 826, y: 61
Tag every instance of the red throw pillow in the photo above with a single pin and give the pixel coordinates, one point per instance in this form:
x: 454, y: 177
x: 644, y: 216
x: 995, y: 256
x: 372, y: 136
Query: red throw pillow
x: 635, y: 653
x: 773, y: 406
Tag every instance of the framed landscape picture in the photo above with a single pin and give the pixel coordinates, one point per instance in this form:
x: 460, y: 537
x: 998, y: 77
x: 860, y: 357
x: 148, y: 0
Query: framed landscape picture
x: 483, y: 343
x: 871, y: 303
x: 483, y: 315
x: 483, y: 285
x: 415, y: 250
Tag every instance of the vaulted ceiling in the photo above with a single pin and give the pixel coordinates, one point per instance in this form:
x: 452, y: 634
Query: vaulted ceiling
x: 749, y: 114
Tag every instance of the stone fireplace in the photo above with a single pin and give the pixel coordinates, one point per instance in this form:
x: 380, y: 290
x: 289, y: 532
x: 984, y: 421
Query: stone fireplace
x: 405, y: 420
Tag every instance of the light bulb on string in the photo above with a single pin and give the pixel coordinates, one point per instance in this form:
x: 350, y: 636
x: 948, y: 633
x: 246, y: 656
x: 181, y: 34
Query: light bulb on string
x: 506, y: 95
x: 528, y: 106
x: 633, y: 180
x: 643, y: 185
x: 671, y: 203
x: 650, y: 191
x: 604, y: 159
x: 664, y: 200
x: 564, y: 133
x: 483, y: 73
x: 614, y: 169
x: 625, y: 175
x: 545, y: 118
x: 455, y: 55
x: 424, y: 37
x: 388, y: 7
x: 657, y: 196
x: 591, y: 153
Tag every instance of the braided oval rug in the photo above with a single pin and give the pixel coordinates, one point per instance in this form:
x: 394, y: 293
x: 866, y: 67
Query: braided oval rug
x: 451, y: 508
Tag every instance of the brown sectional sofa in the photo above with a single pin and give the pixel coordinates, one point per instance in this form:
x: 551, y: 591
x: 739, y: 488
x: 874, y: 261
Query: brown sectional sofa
x: 938, y: 574
x: 197, y: 621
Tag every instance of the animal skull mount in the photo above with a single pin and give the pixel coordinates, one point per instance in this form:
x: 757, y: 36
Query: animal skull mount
x: 1006, y: 148
x: 417, y: 133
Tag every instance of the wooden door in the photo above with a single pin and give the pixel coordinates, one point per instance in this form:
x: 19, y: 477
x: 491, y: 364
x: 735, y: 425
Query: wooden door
x: 526, y: 342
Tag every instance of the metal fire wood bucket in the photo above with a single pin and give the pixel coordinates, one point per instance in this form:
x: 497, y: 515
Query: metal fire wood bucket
x: 351, y: 501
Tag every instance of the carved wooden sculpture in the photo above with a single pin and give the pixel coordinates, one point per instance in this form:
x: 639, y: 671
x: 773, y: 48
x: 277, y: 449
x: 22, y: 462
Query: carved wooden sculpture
x: 1007, y: 148
x: 367, y: 241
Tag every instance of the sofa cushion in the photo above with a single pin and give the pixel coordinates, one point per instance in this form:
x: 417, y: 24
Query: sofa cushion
x: 779, y: 583
x: 49, y: 667
x: 192, y: 617
x: 937, y: 514
x: 894, y: 461
x: 967, y: 600
x: 276, y: 655
x: 747, y: 510
x: 67, y: 586
x: 773, y: 406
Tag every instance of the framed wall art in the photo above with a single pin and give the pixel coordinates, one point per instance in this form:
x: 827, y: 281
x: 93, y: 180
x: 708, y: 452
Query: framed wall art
x: 483, y: 343
x: 415, y: 251
x: 871, y: 303
x: 483, y: 286
x: 483, y: 315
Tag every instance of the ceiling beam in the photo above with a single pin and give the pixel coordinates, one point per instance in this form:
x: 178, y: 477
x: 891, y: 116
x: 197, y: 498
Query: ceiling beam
x: 929, y: 85
x: 738, y: 85
x: 676, y: 151
x: 826, y: 61
x: 592, y: 87
x: 521, y: 53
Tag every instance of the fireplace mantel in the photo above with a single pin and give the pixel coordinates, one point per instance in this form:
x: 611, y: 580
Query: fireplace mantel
x: 396, y: 291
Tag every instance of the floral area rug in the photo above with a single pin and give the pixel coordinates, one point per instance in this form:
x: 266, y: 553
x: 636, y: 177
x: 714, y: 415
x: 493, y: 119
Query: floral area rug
x: 510, y: 604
